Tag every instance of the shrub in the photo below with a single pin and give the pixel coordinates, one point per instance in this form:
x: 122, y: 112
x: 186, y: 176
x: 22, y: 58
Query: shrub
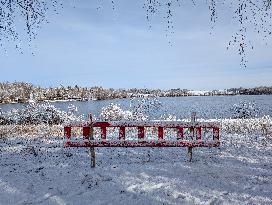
x: 140, y: 110
x: 244, y: 110
x: 44, y: 113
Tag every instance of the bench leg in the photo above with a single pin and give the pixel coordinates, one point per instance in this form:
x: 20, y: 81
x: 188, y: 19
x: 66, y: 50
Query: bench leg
x: 92, y: 155
x: 91, y: 137
x: 190, y: 153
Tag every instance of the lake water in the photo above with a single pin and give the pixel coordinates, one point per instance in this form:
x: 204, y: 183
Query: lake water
x: 181, y: 107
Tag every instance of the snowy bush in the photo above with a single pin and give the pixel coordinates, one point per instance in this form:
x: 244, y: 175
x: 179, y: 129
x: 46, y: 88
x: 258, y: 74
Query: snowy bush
x: 143, y: 108
x: 261, y: 126
x: 244, y: 110
x: 72, y: 109
x: 38, y: 114
x: 140, y: 110
x: 113, y: 112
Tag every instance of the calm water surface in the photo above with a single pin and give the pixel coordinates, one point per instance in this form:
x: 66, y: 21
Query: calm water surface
x: 205, y: 106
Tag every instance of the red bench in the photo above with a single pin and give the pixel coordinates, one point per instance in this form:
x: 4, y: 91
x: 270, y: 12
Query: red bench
x: 195, y: 133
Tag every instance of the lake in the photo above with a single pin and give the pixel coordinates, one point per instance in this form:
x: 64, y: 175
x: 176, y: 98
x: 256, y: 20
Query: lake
x: 205, y: 106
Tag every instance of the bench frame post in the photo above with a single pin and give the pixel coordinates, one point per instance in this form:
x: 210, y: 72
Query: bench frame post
x: 190, y: 149
x: 91, y: 137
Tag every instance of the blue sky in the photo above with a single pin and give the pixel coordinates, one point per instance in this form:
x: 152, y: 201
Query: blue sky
x: 89, y: 44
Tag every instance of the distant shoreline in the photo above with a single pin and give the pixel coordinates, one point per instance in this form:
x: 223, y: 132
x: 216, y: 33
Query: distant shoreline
x: 21, y: 92
x: 89, y: 100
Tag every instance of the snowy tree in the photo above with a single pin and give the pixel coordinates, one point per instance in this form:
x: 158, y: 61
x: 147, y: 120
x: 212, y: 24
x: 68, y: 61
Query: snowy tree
x: 32, y: 13
x: 250, y: 15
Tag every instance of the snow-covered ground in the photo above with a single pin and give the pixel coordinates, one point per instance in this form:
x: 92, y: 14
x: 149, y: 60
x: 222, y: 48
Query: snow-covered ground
x: 39, y: 170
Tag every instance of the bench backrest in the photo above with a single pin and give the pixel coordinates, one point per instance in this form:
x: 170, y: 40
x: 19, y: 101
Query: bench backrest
x: 196, y: 129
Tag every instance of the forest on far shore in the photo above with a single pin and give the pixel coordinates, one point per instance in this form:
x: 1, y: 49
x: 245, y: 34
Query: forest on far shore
x: 21, y: 92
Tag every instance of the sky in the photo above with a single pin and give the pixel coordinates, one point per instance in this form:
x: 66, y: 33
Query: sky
x: 91, y: 44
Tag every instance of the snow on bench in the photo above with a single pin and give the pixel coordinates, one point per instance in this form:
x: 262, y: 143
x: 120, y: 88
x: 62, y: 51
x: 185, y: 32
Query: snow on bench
x: 187, y: 134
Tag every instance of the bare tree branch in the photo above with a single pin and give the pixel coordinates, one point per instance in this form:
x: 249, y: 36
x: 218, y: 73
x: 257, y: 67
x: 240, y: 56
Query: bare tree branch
x: 250, y: 15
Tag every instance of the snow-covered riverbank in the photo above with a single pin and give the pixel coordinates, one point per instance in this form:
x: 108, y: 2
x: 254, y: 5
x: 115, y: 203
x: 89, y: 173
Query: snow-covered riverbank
x: 38, y: 170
